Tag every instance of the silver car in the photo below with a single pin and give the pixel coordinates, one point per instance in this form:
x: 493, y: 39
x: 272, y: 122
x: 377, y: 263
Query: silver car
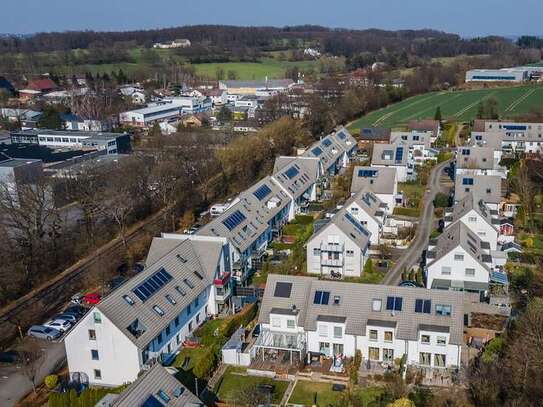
x: 58, y: 324
x: 43, y: 332
x: 66, y: 317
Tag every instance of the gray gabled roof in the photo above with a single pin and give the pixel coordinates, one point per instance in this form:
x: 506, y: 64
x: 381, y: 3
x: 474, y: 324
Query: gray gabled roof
x: 375, y: 134
x: 487, y: 188
x: 368, y: 202
x: 390, y: 154
x: 382, y: 181
x: 475, y: 158
x: 355, y: 306
x: 410, y: 138
x: 181, y: 262
x: 153, y: 381
x: 352, y: 228
x: 469, y: 202
x: 306, y: 169
x: 331, y: 148
x: 459, y: 235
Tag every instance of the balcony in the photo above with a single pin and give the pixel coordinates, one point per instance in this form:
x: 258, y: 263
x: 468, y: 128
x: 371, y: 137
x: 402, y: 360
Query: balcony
x: 222, y: 294
x: 222, y: 280
x: 325, y: 261
x: 335, y: 248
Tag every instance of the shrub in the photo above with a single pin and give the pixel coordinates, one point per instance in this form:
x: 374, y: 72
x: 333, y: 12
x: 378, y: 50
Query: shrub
x: 205, y: 364
x: 51, y: 381
x: 441, y: 200
x: 368, y: 267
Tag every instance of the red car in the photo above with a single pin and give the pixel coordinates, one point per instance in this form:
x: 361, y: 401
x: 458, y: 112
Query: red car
x: 92, y: 298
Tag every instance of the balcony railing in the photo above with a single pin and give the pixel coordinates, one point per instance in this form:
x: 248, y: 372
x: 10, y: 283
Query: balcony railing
x: 222, y: 280
x: 326, y: 247
x: 325, y: 261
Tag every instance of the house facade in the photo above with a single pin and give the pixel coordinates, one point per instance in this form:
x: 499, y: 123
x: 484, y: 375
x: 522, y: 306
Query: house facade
x: 382, y: 181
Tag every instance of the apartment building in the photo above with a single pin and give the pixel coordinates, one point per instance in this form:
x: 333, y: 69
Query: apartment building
x: 382, y: 181
x: 510, y: 137
x: 459, y: 259
x: 480, y: 161
x: 304, y: 315
x: 393, y: 156
x: 339, y: 248
x: 370, y: 211
x: 333, y: 151
x: 147, y: 319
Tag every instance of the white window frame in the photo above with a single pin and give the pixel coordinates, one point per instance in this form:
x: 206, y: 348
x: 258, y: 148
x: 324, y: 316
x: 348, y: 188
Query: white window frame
x: 323, y: 330
x: 276, y: 322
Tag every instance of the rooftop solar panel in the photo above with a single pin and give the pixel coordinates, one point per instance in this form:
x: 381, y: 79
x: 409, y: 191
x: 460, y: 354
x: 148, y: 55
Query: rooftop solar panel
x: 282, y: 289
x: 152, y: 284
x: 399, y: 154
x: 316, y: 151
x: 326, y: 142
x: 367, y: 173
x: 291, y: 172
x: 356, y: 224
x: 262, y: 192
x: 234, y: 220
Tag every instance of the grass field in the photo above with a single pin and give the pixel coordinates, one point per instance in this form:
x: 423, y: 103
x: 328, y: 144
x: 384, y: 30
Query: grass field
x: 458, y: 105
x: 306, y: 392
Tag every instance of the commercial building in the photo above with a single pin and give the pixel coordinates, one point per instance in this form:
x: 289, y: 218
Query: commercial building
x: 256, y: 87
x: 146, y: 116
x: 497, y: 75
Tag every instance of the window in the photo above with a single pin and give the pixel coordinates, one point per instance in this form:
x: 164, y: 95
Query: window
x: 350, y: 253
x: 482, y: 234
x: 388, y: 355
x: 441, y: 340
x: 94, y: 354
x: 373, y: 353
x: 425, y: 338
x: 159, y: 338
x: 394, y: 303
x: 373, y: 335
x: 316, y: 251
x: 337, y: 299
x: 323, y: 330
x: 321, y: 297
x: 444, y: 310
x: 445, y: 271
x: 168, y: 330
x: 276, y: 322
x: 470, y: 272
x: 423, y: 306
x: 376, y: 305
x: 176, y: 321
x: 197, y: 318
x: 324, y: 348
x: 338, y: 332
x: 128, y: 299
x: 188, y: 283
x: 170, y: 299
x: 458, y: 256
x: 190, y: 326
x: 97, y: 318
x: 180, y: 290
x: 472, y: 219
x: 291, y: 323
x: 97, y: 374
x: 158, y: 310
x: 196, y: 301
x: 425, y: 358
x: 439, y: 360
x: 488, y: 191
x: 163, y: 396
x: 92, y: 335
x: 189, y: 309
x: 388, y: 336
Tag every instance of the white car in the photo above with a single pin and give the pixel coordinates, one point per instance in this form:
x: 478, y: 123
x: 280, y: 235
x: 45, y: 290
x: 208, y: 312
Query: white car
x: 58, y: 324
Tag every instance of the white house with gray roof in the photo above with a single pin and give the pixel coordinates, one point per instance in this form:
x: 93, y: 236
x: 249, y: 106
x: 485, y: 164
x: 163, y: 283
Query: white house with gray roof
x: 333, y: 151
x: 339, y: 248
x: 459, y: 260
x: 393, y: 156
x: 486, y: 188
x: 381, y: 181
x: 147, y: 318
x: 370, y: 211
x: 418, y: 143
x: 304, y: 316
x: 510, y: 137
x: 480, y: 161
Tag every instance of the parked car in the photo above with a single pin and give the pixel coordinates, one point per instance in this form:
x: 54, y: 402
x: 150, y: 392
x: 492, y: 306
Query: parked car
x: 58, y: 324
x: 10, y: 356
x: 77, y: 298
x: 71, y: 318
x: 92, y: 298
x: 44, y: 332
x: 116, y: 282
x: 138, y: 267
x: 256, y: 331
x: 75, y: 310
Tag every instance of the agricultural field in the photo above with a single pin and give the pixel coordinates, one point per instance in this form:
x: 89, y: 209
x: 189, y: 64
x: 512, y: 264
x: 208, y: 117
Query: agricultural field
x: 456, y: 105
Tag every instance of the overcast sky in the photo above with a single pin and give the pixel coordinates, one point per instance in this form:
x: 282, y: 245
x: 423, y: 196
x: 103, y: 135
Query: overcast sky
x: 465, y: 17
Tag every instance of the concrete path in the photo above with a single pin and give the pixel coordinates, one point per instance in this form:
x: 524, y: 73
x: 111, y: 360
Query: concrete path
x: 288, y: 392
x: 411, y: 256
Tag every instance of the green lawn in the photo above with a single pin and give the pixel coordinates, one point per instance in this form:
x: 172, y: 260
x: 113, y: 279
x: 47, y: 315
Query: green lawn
x: 232, y: 382
x: 305, y: 391
x: 413, y: 190
x: 455, y: 105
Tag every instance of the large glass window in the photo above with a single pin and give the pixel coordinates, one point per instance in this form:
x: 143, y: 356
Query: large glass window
x: 338, y: 332
x: 373, y: 335
x: 388, y: 336
x: 388, y: 355
x: 291, y: 323
x: 373, y: 353
x: 425, y: 358
x: 324, y: 348
x: 439, y: 360
x: 323, y: 330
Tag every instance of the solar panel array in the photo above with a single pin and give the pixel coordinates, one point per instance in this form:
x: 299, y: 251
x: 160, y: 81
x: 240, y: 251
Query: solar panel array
x: 326, y: 142
x: 234, y: 220
x: 317, y: 151
x: 467, y: 181
x: 321, y: 297
x: 366, y: 199
x: 367, y: 173
x: 151, y: 285
x: 341, y: 135
x: 292, y: 172
x: 262, y: 192
x: 356, y: 224
x: 399, y: 154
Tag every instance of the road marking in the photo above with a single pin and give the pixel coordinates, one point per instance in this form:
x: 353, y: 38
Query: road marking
x: 387, y: 115
x: 470, y: 106
x: 521, y: 99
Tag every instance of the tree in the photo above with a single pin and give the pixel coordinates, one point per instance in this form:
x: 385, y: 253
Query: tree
x: 437, y: 115
x: 50, y: 119
x: 219, y: 73
x: 31, y: 362
x: 224, y: 115
x: 402, y: 402
x: 232, y: 75
x: 526, y: 189
x: 155, y: 130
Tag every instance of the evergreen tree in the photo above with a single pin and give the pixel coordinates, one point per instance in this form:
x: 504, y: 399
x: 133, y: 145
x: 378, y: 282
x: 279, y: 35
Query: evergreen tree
x: 437, y: 116
x: 155, y: 130
x: 50, y: 119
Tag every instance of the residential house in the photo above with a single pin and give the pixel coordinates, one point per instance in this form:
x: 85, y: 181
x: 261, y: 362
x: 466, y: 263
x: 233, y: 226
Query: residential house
x: 459, y: 259
x: 487, y: 188
x: 42, y: 85
x: 155, y: 387
x: 218, y: 96
x: 370, y: 135
x: 28, y: 119
x: 370, y: 211
x: 425, y: 125
x: 256, y: 87
x: 393, y: 156
x: 333, y: 151
x: 480, y: 161
x: 179, y: 43
x: 510, y: 137
x: 339, y: 248
x: 304, y: 316
x: 418, y: 143
x: 146, y: 320
x: 380, y: 180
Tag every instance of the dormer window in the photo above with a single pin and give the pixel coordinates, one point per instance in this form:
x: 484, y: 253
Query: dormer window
x: 128, y: 299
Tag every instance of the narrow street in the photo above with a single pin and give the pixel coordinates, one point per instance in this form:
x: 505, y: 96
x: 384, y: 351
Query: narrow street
x: 412, y: 254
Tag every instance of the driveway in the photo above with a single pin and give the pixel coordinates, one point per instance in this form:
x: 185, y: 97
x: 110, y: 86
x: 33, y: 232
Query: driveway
x: 14, y: 384
x: 412, y: 254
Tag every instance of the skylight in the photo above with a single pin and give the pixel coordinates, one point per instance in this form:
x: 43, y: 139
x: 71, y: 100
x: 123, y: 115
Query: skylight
x: 291, y: 172
x: 158, y: 310
x: 321, y: 297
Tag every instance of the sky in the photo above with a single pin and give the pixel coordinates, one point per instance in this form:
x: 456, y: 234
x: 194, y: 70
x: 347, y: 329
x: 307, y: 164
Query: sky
x: 466, y: 17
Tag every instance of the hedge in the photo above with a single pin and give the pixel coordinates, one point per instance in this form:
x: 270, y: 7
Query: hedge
x: 88, y: 397
x: 411, y: 212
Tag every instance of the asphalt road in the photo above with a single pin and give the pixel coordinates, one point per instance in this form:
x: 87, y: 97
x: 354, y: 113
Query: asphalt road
x: 14, y: 384
x: 411, y: 256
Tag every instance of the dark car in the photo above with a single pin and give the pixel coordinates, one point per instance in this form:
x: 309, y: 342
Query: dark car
x: 76, y: 310
x: 10, y: 356
x: 138, y: 267
x: 116, y: 282
x: 256, y: 331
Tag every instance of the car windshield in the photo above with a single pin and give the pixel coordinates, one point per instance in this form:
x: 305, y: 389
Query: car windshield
x: 47, y: 330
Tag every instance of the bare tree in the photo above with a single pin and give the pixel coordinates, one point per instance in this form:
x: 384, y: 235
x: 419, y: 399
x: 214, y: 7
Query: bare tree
x: 32, y: 360
x: 526, y: 190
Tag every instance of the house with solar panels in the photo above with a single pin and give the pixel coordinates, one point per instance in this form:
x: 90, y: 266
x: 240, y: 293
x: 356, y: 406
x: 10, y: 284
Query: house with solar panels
x: 333, y: 151
x: 147, y: 319
x: 418, y: 143
x: 510, y: 137
x: 338, y: 248
x: 368, y: 209
x: 382, y: 181
x: 460, y: 260
x: 305, y: 319
x: 393, y: 156
x: 479, y: 161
